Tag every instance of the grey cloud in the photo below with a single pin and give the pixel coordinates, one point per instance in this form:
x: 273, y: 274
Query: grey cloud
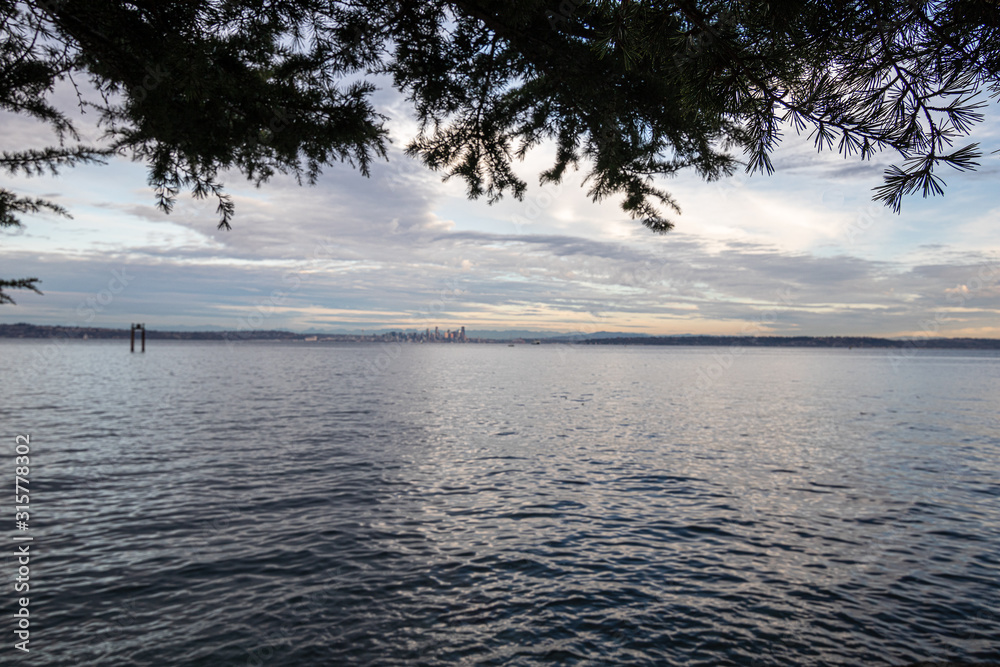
x: 803, y: 293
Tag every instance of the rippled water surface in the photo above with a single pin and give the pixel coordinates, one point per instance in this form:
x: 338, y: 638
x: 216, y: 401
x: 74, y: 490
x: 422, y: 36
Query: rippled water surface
x: 438, y: 504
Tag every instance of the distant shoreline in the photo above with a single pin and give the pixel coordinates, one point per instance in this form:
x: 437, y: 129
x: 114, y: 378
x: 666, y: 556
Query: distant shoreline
x: 808, y: 341
x: 23, y: 330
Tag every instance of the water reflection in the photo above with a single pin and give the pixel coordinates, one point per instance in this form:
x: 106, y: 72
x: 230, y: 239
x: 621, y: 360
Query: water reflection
x: 287, y: 505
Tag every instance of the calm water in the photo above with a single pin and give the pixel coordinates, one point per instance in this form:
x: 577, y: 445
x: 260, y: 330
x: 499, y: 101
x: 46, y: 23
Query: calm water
x: 430, y: 504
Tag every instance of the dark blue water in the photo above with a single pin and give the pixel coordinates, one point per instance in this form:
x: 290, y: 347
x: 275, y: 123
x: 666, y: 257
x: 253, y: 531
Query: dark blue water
x: 431, y: 504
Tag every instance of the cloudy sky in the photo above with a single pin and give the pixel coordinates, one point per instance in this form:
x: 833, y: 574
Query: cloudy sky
x: 803, y: 252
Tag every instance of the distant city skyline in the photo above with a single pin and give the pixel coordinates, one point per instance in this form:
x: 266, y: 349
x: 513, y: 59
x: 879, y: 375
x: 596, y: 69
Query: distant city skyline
x: 803, y: 252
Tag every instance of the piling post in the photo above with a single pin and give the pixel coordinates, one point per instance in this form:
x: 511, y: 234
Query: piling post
x: 142, y: 328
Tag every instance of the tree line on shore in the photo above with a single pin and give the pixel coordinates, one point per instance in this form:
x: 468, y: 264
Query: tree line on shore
x: 24, y: 330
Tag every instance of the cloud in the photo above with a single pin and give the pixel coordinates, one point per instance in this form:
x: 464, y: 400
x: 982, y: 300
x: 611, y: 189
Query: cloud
x: 804, y: 252
x: 547, y: 281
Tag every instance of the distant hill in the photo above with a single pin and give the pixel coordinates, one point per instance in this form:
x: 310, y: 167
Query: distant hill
x: 806, y: 341
x: 24, y: 330
x: 600, y: 335
x: 511, y: 334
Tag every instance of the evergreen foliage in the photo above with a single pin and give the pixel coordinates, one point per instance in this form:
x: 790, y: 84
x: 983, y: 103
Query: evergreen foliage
x: 628, y: 89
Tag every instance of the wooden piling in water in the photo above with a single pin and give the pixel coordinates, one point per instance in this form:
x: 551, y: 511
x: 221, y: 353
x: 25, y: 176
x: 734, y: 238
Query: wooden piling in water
x: 141, y: 327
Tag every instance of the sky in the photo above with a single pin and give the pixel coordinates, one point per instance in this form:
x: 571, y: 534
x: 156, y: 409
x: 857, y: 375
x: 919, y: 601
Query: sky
x: 802, y: 252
